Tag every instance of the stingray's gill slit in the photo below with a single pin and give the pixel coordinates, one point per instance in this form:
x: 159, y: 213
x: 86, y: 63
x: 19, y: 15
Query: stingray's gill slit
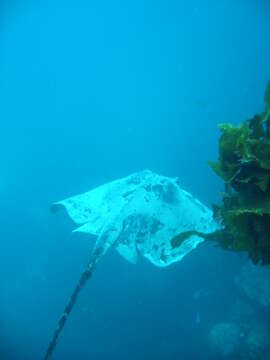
x: 86, y: 274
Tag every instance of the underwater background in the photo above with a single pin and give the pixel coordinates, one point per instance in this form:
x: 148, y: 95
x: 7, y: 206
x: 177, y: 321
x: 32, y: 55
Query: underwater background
x: 91, y: 91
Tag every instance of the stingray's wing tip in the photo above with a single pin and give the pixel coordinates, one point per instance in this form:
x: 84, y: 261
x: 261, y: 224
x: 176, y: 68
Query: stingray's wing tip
x: 55, y: 207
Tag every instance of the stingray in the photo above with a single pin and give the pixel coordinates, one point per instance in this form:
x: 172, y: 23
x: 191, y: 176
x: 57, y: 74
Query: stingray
x: 138, y: 215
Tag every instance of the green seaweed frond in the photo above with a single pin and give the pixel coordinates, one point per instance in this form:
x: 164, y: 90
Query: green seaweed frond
x: 244, y: 166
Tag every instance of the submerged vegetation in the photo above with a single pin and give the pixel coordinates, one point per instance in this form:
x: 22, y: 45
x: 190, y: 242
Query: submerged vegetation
x: 244, y: 165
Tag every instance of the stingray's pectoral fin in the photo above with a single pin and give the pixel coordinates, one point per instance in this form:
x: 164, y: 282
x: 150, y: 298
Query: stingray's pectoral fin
x: 56, y: 207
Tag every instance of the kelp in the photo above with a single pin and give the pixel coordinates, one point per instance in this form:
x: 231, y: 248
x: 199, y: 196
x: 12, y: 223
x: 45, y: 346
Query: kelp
x: 244, y: 166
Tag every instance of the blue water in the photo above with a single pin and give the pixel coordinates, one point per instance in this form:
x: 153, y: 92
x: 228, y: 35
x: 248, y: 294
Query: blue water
x: 91, y: 91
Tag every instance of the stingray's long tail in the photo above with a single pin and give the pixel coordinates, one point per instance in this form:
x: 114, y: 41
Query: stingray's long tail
x: 72, y: 300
